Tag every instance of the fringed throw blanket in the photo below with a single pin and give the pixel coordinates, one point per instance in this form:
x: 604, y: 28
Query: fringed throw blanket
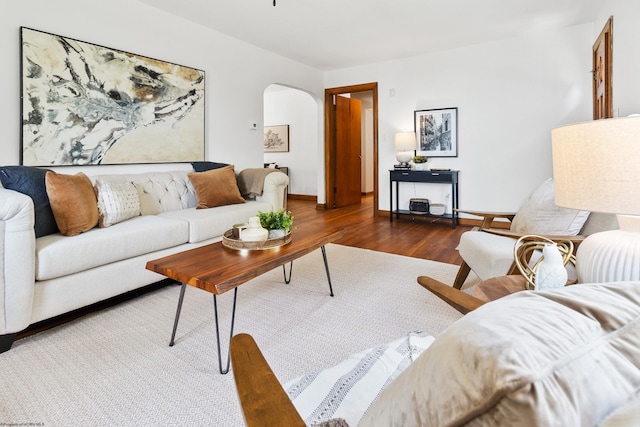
x: 251, y: 181
x: 344, y: 392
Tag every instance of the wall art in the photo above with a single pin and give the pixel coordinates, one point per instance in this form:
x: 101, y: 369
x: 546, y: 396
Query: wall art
x: 85, y: 104
x: 437, y: 132
x: 276, y: 139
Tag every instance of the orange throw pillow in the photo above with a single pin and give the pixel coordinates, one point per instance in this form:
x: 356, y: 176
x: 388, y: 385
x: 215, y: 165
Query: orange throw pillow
x: 216, y: 187
x: 73, y: 202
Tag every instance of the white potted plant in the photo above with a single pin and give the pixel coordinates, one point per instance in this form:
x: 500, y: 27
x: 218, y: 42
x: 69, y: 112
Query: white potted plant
x: 420, y: 162
x: 277, y: 222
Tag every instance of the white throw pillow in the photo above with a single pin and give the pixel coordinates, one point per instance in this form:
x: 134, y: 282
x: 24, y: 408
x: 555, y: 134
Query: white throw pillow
x: 565, y: 357
x: 116, y: 202
x: 539, y: 214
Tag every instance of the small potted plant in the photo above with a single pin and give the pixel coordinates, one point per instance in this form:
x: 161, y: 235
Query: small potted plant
x: 420, y: 161
x: 277, y: 222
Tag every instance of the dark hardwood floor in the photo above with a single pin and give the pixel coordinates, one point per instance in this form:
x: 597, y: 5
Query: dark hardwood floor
x: 419, y: 238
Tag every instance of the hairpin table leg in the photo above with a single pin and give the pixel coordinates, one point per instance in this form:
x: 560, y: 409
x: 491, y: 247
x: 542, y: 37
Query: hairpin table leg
x: 284, y: 269
x: 326, y: 267
x: 175, y: 322
x: 215, y: 309
x: 233, y: 317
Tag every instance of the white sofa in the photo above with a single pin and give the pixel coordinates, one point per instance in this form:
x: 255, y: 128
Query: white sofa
x: 44, y: 277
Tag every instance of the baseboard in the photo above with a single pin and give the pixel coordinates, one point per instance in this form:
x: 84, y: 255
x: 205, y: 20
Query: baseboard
x: 306, y: 197
x: 461, y: 221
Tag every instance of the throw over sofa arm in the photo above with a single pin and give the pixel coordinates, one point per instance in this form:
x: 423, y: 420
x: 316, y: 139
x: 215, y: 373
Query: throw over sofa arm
x: 275, y: 190
x: 17, y: 264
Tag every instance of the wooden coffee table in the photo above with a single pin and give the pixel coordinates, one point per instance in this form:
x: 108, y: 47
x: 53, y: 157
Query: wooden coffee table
x: 218, y: 269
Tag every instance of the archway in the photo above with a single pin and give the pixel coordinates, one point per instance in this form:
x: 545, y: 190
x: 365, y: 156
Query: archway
x: 297, y: 109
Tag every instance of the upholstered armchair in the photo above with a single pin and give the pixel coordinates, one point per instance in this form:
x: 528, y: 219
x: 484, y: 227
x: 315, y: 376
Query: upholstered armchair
x: 496, y: 366
x: 498, y: 287
x: 488, y: 252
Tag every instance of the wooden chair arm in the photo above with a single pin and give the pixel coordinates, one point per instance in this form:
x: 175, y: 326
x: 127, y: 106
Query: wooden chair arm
x: 264, y: 402
x: 507, y: 233
x: 488, y: 217
x: 457, y: 299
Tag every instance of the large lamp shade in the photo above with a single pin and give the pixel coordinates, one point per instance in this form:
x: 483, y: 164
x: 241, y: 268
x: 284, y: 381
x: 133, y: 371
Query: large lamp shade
x: 596, y: 167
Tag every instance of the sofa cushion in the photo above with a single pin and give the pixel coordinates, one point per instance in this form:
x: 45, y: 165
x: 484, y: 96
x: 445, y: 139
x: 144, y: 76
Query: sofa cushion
x: 564, y: 357
x: 30, y: 181
x: 116, y: 202
x: 489, y: 255
x: 207, y: 166
x: 539, y: 214
x: 73, y: 202
x: 217, y: 187
x: 57, y: 255
x: 209, y: 223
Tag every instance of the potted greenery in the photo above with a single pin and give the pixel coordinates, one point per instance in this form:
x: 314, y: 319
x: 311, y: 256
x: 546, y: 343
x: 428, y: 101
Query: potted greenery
x: 277, y: 222
x: 420, y: 162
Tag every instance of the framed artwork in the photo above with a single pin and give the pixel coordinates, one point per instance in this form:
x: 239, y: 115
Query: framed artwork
x: 85, y: 104
x: 437, y: 132
x: 276, y: 139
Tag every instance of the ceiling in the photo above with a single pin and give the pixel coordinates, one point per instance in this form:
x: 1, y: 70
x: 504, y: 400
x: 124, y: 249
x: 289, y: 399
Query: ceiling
x: 334, y: 34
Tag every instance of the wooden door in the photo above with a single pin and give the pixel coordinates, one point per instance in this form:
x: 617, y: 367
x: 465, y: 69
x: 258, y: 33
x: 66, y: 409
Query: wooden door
x: 602, y: 67
x: 348, y: 142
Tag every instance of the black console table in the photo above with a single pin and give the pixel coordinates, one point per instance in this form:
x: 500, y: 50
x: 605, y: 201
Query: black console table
x: 431, y: 177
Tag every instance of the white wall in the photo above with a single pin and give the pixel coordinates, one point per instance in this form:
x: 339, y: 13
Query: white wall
x: 509, y: 94
x: 298, y: 109
x: 236, y: 73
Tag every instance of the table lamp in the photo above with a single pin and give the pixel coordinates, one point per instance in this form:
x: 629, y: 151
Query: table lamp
x: 405, y: 143
x: 596, y: 167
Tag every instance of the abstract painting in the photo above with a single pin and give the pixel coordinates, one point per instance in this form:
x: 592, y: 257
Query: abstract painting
x: 437, y: 132
x: 276, y: 139
x: 85, y: 104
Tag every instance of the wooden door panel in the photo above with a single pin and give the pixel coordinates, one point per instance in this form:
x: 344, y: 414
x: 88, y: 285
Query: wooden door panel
x: 348, y: 150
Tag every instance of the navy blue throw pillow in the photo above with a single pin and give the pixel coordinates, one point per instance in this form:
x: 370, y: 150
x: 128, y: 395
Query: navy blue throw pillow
x: 207, y: 166
x: 30, y: 181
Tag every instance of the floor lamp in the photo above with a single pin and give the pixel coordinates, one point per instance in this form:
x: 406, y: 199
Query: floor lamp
x: 596, y: 167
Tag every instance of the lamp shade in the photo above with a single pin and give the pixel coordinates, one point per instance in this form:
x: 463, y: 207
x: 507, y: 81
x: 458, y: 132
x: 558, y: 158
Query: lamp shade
x: 596, y: 165
x: 405, y: 141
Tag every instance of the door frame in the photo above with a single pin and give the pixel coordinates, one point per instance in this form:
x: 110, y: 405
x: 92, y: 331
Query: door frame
x: 329, y: 152
x: 606, y: 39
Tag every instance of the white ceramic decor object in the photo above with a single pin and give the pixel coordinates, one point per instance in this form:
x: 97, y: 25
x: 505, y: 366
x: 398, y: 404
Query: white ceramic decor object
x: 551, y: 272
x: 254, y: 231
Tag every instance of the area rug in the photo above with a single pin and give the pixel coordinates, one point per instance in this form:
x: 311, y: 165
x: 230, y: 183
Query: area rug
x: 114, y: 366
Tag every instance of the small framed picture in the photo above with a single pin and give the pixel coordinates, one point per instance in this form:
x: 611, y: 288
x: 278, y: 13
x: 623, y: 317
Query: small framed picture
x: 276, y: 139
x: 437, y: 132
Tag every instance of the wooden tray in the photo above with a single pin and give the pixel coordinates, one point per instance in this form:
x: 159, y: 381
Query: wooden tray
x: 230, y: 242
